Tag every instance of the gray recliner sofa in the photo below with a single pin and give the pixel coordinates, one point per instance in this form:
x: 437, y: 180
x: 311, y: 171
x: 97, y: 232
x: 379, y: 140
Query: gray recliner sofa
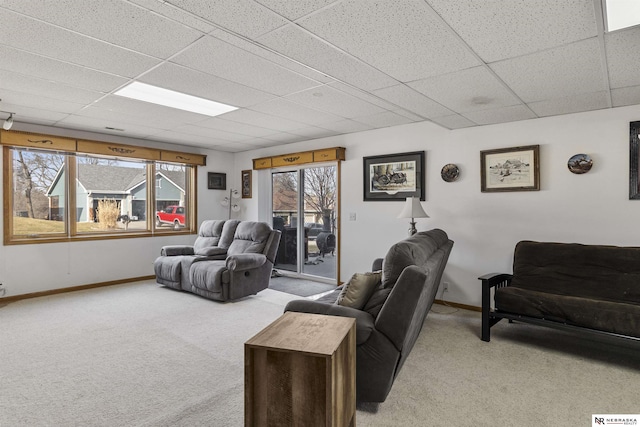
x: 389, y: 324
x: 229, y: 260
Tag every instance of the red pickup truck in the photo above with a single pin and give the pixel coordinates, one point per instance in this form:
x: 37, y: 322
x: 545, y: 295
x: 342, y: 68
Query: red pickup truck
x: 173, y: 215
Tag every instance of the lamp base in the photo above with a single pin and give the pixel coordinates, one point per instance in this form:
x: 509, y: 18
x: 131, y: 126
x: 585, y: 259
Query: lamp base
x: 412, y: 229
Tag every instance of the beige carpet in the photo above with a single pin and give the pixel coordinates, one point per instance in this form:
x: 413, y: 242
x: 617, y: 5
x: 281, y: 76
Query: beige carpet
x: 143, y: 355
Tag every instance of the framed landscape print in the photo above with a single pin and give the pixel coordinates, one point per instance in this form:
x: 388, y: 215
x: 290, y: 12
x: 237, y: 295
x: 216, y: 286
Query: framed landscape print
x: 246, y: 184
x: 394, y: 176
x: 510, y: 169
x: 217, y: 181
x: 634, y: 160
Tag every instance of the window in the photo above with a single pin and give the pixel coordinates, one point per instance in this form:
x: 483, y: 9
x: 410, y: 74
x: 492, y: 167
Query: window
x: 59, y: 195
x: 37, y: 201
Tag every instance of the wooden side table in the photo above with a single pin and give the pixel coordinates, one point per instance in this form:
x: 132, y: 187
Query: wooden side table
x: 301, y: 371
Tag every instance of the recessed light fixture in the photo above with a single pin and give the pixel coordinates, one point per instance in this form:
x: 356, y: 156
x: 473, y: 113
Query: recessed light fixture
x: 621, y: 14
x: 173, y: 99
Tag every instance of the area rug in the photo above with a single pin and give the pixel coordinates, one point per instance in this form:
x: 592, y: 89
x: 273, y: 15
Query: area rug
x: 299, y: 287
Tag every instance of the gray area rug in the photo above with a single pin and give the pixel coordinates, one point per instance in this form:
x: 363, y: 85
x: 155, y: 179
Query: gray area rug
x: 144, y: 355
x: 300, y: 287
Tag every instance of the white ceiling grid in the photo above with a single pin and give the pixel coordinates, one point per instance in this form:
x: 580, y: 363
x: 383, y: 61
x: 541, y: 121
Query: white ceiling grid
x: 306, y: 69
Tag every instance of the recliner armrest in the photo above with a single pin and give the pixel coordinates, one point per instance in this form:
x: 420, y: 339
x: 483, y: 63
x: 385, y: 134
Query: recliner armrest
x: 175, y: 250
x: 364, y: 321
x: 242, y: 262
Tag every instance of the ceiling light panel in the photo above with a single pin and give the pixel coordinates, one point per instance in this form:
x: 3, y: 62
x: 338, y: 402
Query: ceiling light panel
x: 621, y: 14
x: 173, y: 99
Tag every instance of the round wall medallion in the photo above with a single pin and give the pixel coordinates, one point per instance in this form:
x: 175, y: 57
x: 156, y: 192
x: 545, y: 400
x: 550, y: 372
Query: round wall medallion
x: 580, y: 163
x: 450, y: 172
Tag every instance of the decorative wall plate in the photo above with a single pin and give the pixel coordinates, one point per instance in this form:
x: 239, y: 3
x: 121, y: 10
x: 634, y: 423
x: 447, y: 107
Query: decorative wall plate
x: 450, y: 172
x: 580, y: 163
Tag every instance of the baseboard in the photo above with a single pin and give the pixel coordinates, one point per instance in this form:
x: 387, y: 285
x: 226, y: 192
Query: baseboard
x: 15, y: 298
x: 458, y: 305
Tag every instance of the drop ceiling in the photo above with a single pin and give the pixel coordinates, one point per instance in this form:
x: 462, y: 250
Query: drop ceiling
x: 305, y: 69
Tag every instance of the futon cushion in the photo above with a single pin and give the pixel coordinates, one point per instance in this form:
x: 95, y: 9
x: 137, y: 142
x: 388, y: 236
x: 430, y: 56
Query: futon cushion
x: 356, y: 292
x: 594, y: 313
x: 607, y: 273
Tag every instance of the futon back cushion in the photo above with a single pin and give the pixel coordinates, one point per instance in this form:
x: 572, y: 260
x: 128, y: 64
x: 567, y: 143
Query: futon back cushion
x: 609, y: 273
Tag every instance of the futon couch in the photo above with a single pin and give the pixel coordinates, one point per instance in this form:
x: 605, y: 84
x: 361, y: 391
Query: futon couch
x: 588, y: 288
x: 392, y: 313
x: 229, y: 260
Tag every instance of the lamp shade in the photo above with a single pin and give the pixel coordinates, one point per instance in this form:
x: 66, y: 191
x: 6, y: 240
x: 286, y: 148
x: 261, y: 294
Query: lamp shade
x: 413, y: 209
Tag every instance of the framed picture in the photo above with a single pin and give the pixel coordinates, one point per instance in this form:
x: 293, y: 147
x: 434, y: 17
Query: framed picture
x: 394, y: 176
x: 217, y: 181
x: 634, y: 160
x: 510, y: 169
x: 246, y: 184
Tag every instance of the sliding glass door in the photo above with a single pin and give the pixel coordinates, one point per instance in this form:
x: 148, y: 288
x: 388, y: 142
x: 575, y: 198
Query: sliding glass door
x: 305, y: 211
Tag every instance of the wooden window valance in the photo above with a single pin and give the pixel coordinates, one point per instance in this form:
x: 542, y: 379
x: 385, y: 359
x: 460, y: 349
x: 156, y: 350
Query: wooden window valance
x: 58, y: 143
x: 315, y: 156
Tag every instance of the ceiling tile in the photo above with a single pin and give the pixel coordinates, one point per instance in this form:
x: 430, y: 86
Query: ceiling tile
x: 625, y: 96
x: 136, y: 29
x: 347, y: 126
x: 210, y: 133
x: 384, y: 119
x: 295, y: 9
x: 202, y: 85
x: 37, y: 37
x: 405, y: 40
x: 328, y: 99
x: 406, y: 97
x: 571, y: 104
x: 35, y: 86
x: 27, y: 63
x: 32, y: 114
x: 235, y: 127
x: 131, y: 111
x: 213, y: 56
x: 260, y: 119
x: 284, y: 108
x: 500, y: 115
x: 179, y: 15
x: 313, y: 132
x: 39, y: 101
x: 99, y: 125
x: 454, y: 121
x: 467, y: 90
x: 555, y: 73
x: 300, y: 45
x: 173, y: 135
x: 621, y: 46
x: 495, y: 30
x: 272, y: 55
x: 244, y: 17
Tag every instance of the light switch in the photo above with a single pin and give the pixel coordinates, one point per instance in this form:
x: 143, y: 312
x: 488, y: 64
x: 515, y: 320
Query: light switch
x: 352, y: 216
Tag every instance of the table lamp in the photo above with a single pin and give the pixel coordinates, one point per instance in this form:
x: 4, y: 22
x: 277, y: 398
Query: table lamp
x: 413, y: 209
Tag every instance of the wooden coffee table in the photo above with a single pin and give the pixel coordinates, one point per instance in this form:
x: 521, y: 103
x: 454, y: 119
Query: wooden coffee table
x: 300, y: 371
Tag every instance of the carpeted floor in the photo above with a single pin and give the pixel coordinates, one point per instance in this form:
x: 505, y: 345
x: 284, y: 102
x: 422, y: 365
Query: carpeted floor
x: 144, y: 355
x: 300, y: 287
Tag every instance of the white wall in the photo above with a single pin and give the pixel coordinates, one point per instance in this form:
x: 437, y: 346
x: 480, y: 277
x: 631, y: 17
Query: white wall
x: 589, y: 208
x: 32, y: 268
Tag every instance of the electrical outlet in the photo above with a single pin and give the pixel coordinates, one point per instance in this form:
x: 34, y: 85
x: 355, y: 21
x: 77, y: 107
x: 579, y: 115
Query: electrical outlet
x: 352, y: 216
x: 445, y: 287
x: 3, y: 290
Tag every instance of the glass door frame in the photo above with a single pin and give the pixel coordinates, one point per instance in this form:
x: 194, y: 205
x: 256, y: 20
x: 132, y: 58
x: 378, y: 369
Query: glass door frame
x: 300, y: 258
